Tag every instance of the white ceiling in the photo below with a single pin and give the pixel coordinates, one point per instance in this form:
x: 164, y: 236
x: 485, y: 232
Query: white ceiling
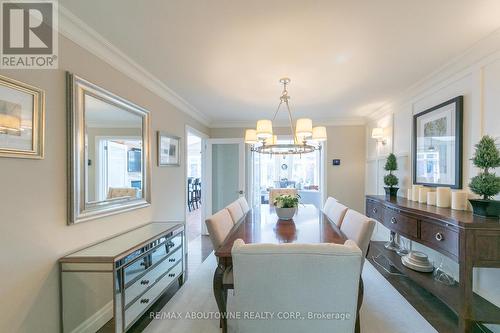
x: 345, y: 58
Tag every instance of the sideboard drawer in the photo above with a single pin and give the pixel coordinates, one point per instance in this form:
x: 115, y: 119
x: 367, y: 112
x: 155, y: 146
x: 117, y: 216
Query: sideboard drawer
x: 405, y: 225
x: 135, y: 310
x: 440, y: 237
x: 374, y: 210
x: 139, y: 286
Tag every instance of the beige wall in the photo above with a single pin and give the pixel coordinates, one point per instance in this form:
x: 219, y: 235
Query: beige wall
x: 33, y: 230
x: 347, y: 143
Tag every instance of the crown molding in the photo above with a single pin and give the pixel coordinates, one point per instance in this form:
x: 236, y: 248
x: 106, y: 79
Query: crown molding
x: 474, y: 56
x: 349, y: 121
x: 79, y: 32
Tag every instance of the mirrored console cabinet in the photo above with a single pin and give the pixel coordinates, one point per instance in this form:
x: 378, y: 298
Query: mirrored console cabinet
x: 114, y: 282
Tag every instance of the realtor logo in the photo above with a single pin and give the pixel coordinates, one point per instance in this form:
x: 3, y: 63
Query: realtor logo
x: 29, y: 34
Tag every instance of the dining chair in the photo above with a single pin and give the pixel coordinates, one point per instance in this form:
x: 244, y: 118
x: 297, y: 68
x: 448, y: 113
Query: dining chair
x: 275, y: 192
x: 296, y: 278
x: 328, y: 206
x: 219, y: 225
x: 359, y: 228
x: 235, y: 211
x: 244, y: 205
x: 122, y: 192
x: 337, y: 213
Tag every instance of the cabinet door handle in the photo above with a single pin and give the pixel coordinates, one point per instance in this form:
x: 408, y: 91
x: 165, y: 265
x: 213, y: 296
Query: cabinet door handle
x: 145, y: 300
x: 144, y: 282
x: 374, y: 210
x: 439, y: 237
x: 171, y: 259
x: 393, y: 220
x: 171, y: 274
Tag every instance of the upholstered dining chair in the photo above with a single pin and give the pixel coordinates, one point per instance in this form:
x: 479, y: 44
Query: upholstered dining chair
x: 275, y: 192
x: 328, y: 206
x: 296, y: 278
x: 235, y: 211
x: 359, y: 228
x: 219, y: 225
x: 244, y: 204
x: 337, y: 213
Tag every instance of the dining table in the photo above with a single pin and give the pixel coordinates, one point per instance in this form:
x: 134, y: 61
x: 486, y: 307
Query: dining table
x: 262, y: 225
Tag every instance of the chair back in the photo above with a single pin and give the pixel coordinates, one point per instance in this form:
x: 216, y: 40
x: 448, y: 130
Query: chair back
x: 244, y: 205
x: 122, y: 192
x: 337, y: 213
x: 219, y: 225
x: 275, y: 192
x: 359, y: 228
x: 235, y: 211
x: 296, y: 278
x: 329, y: 205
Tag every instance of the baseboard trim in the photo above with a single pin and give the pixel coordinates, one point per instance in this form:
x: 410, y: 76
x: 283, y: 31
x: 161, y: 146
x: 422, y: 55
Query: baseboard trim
x: 97, y: 320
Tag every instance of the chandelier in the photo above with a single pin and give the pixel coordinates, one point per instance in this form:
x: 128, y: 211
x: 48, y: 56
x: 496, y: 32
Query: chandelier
x: 264, y: 141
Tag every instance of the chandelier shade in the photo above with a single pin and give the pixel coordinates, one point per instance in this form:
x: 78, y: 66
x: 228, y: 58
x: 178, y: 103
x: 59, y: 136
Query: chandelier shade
x: 263, y: 141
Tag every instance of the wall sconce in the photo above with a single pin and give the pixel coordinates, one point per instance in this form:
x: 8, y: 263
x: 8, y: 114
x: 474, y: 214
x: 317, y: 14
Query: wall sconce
x: 378, y: 134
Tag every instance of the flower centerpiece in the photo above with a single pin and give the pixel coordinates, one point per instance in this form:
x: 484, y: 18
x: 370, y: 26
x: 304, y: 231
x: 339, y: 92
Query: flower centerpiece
x: 486, y: 183
x: 286, y: 206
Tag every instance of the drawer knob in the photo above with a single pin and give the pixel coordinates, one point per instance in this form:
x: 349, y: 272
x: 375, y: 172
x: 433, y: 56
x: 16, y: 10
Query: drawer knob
x: 171, y: 259
x: 144, y: 282
x: 171, y: 274
x: 145, y: 300
x: 374, y: 210
x: 439, y: 237
x: 393, y: 220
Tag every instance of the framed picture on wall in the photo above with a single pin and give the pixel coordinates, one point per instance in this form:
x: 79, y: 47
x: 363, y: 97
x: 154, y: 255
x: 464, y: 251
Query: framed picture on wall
x: 168, y: 150
x: 437, y: 145
x: 22, y: 119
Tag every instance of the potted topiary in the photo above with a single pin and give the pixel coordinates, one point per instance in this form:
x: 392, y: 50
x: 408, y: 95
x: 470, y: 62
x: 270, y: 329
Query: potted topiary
x: 391, y: 180
x: 486, y: 184
x: 286, y: 206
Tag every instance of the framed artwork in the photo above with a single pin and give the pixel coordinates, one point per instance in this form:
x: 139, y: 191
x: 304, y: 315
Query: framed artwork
x: 22, y: 119
x: 168, y: 150
x: 437, y: 145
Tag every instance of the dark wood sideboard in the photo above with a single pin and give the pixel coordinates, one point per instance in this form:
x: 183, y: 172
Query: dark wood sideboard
x: 469, y: 240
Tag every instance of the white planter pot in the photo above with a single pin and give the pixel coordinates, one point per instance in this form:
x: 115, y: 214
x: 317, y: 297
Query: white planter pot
x: 286, y: 213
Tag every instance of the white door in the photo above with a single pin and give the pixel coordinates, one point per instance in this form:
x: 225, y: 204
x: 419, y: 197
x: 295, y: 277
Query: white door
x: 117, y: 165
x: 225, y: 173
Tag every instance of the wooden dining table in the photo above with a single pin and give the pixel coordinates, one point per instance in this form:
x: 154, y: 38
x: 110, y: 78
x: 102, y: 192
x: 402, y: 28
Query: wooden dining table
x: 262, y: 225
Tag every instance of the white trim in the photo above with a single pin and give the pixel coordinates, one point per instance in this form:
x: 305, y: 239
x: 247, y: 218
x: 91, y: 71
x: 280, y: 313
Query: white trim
x: 204, y: 137
x: 348, y: 121
x: 82, y: 34
x: 97, y: 320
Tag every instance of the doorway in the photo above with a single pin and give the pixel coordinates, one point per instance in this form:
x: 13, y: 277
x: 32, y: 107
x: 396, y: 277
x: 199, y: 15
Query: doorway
x: 199, y: 245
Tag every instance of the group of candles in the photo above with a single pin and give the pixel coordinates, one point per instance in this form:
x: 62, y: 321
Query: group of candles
x: 442, y: 197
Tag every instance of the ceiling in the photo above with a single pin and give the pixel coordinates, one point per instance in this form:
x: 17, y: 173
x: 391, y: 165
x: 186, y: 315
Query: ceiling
x: 345, y: 58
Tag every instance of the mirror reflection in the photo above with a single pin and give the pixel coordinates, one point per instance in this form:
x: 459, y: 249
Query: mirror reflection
x: 114, y: 148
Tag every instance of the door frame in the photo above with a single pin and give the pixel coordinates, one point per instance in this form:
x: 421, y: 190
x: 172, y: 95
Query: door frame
x: 204, y: 137
x: 208, y: 175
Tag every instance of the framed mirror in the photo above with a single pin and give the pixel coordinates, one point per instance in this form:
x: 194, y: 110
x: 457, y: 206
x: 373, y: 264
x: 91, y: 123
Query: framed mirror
x: 109, y: 152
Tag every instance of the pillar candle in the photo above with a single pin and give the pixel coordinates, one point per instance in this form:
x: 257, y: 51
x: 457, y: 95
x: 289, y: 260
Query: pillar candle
x: 408, y: 194
x: 422, y: 194
x: 459, y: 200
x: 414, y: 192
x: 431, y: 198
x: 443, y: 197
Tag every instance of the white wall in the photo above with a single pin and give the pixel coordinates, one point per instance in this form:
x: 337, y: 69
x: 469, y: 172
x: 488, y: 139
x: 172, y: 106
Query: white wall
x: 33, y: 199
x: 476, y: 76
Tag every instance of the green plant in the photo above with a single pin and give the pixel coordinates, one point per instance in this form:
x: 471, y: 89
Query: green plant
x: 391, y: 165
x: 286, y: 201
x: 486, y: 157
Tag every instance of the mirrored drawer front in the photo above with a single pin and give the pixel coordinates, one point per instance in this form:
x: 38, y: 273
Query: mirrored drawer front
x: 175, y: 242
x: 140, y: 266
x: 136, y: 309
x: 139, y: 286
